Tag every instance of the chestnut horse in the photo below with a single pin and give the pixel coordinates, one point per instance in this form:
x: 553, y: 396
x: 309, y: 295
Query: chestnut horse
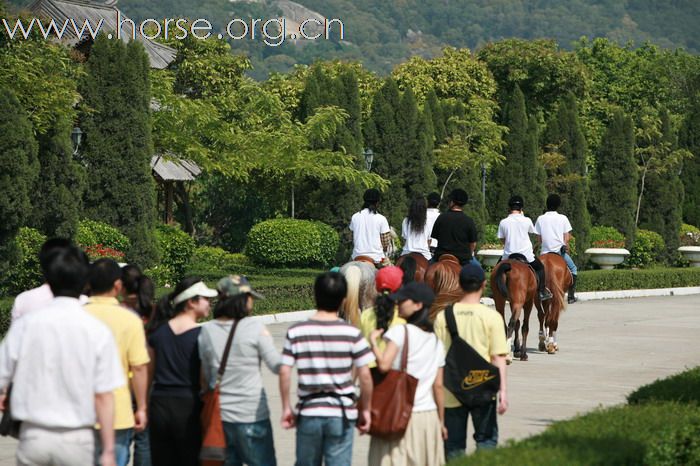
x: 443, y: 278
x: 559, y: 280
x: 414, y: 264
x: 515, y: 281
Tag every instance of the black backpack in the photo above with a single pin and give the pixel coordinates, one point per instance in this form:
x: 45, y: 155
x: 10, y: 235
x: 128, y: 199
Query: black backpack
x: 469, y: 377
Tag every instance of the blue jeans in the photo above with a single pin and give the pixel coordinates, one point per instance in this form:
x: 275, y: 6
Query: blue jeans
x: 142, y: 448
x: 122, y: 446
x: 249, y: 443
x: 570, y: 263
x: 326, y: 440
x: 485, y: 428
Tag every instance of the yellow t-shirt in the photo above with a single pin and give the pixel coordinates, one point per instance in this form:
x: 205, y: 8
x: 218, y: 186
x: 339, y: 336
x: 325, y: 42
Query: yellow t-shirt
x: 368, y: 323
x: 127, y: 329
x: 478, y: 325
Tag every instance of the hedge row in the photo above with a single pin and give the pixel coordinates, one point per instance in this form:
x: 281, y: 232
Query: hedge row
x: 657, y: 430
x: 608, y: 280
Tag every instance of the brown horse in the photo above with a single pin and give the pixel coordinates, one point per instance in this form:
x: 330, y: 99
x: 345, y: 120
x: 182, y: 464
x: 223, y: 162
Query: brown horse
x: 443, y: 278
x: 414, y: 264
x: 514, y: 281
x: 559, y: 280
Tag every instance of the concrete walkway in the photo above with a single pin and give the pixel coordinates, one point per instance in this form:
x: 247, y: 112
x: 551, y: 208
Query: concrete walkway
x: 607, y: 349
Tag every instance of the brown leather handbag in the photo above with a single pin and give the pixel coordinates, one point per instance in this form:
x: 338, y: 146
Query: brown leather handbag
x: 392, y: 399
x: 213, y: 452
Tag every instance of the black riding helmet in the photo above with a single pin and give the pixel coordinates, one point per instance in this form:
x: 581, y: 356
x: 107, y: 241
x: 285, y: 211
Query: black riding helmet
x: 371, y: 195
x: 516, y: 203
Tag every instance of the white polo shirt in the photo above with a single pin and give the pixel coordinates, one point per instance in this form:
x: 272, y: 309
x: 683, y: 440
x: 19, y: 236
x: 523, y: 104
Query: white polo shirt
x: 515, y: 229
x: 551, y: 227
x: 58, y: 358
x: 430, y: 217
x: 367, y: 229
x: 416, y: 242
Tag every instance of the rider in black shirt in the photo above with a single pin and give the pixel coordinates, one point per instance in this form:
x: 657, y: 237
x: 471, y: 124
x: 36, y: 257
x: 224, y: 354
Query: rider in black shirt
x: 454, y: 231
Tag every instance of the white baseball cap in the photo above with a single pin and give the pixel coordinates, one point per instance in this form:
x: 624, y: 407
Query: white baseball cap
x: 198, y: 289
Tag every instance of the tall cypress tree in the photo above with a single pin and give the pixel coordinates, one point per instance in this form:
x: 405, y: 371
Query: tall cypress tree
x: 57, y: 200
x: 613, y: 199
x: 118, y: 147
x: 436, y: 115
x: 522, y: 172
x: 564, y: 132
x: 19, y: 170
x: 690, y: 139
x: 662, y: 206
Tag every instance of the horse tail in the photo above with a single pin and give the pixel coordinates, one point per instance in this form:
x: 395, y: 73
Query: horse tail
x: 558, y: 302
x: 351, y: 306
x: 502, y: 279
x: 408, y: 265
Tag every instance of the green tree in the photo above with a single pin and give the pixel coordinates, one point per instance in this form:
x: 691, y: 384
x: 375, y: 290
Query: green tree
x: 57, y: 199
x: 690, y: 140
x: 433, y: 105
x: 564, y: 137
x: 19, y: 170
x: 613, y: 196
x: 118, y: 147
x: 522, y: 172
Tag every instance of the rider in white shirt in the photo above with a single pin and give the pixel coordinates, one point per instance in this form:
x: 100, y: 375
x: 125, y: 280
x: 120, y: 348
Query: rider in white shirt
x: 514, y: 231
x: 414, y: 229
x: 431, y: 215
x: 371, y: 235
x: 554, y: 230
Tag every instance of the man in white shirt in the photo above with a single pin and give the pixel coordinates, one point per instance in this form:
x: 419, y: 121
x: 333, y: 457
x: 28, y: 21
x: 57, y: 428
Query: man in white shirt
x: 371, y: 235
x: 514, y: 231
x: 63, y: 365
x: 431, y: 215
x: 554, y: 230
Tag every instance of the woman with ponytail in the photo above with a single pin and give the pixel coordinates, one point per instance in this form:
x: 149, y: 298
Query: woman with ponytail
x: 384, y: 314
x: 175, y: 428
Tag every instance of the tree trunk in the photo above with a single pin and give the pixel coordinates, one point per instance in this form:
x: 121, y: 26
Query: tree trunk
x: 184, y: 197
x: 641, y: 193
x: 444, y: 186
x: 292, y: 201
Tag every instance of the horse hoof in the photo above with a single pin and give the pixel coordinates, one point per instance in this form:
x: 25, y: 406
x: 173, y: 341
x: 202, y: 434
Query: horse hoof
x: 523, y: 357
x: 541, y: 346
x: 551, y: 348
x: 516, y: 354
x: 509, y: 358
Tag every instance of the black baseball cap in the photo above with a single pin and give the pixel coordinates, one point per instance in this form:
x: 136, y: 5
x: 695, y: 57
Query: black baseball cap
x: 471, y: 273
x: 418, y: 292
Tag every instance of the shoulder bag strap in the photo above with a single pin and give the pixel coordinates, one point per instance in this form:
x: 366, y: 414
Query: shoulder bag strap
x: 451, y: 322
x: 404, y: 351
x: 227, y: 350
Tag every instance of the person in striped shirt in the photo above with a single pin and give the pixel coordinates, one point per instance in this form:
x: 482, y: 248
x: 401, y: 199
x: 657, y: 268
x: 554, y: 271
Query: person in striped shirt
x: 325, y: 349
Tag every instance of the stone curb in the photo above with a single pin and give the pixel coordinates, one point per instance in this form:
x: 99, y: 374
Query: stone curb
x: 297, y: 316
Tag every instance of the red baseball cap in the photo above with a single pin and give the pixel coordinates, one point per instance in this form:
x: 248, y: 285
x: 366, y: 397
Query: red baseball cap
x: 389, y: 278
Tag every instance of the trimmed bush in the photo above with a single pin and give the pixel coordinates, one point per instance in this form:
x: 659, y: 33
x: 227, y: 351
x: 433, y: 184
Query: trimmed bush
x: 25, y: 273
x: 93, y: 233
x: 683, y: 388
x: 608, y: 280
x: 606, y: 237
x: 646, y: 250
x: 330, y: 241
x: 212, y: 263
x: 288, y: 243
x: 175, y: 248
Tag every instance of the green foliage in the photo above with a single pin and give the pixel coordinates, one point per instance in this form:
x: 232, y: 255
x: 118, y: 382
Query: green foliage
x: 175, y: 248
x: 689, y: 139
x: 288, y: 242
x: 25, y: 272
x: 682, y: 388
x: 689, y: 235
x: 91, y: 233
x: 606, y: 237
x: 5, y: 315
x: 18, y: 173
x: 647, y: 249
x: 117, y: 148
x: 330, y: 241
x: 613, y: 197
x: 491, y: 235
x: 626, y: 279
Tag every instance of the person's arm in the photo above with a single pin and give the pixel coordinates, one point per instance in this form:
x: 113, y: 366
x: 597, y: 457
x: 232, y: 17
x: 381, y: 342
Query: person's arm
x: 364, y: 417
x: 9, y: 353
x: 567, y: 238
x: 151, y: 365
x: 268, y: 352
x: 386, y: 358
x: 288, y: 418
x: 439, y: 394
x: 139, y: 382
x: 500, y: 362
x: 104, y: 409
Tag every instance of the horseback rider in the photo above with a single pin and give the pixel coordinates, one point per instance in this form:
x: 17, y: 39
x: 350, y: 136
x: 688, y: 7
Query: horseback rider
x: 513, y: 231
x: 414, y: 229
x: 431, y: 216
x: 371, y: 235
x: 554, y: 230
x: 455, y: 231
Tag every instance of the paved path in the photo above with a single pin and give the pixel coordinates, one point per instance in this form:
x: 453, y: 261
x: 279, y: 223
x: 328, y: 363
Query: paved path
x: 607, y: 348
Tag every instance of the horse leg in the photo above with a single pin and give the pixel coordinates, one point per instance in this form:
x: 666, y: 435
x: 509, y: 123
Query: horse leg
x: 516, y: 339
x: 541, y: 314
x: 526, y: 329
x: 515, y: 307
x: 553, y: 329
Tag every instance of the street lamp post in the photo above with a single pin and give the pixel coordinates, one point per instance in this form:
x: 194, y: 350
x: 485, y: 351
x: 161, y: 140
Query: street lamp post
x: 369, y: 158
x: 76, y: 136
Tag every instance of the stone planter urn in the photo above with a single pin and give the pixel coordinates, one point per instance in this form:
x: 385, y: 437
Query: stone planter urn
x: 691, y: 254
x: 607, y: 258
x: 489, y: 257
